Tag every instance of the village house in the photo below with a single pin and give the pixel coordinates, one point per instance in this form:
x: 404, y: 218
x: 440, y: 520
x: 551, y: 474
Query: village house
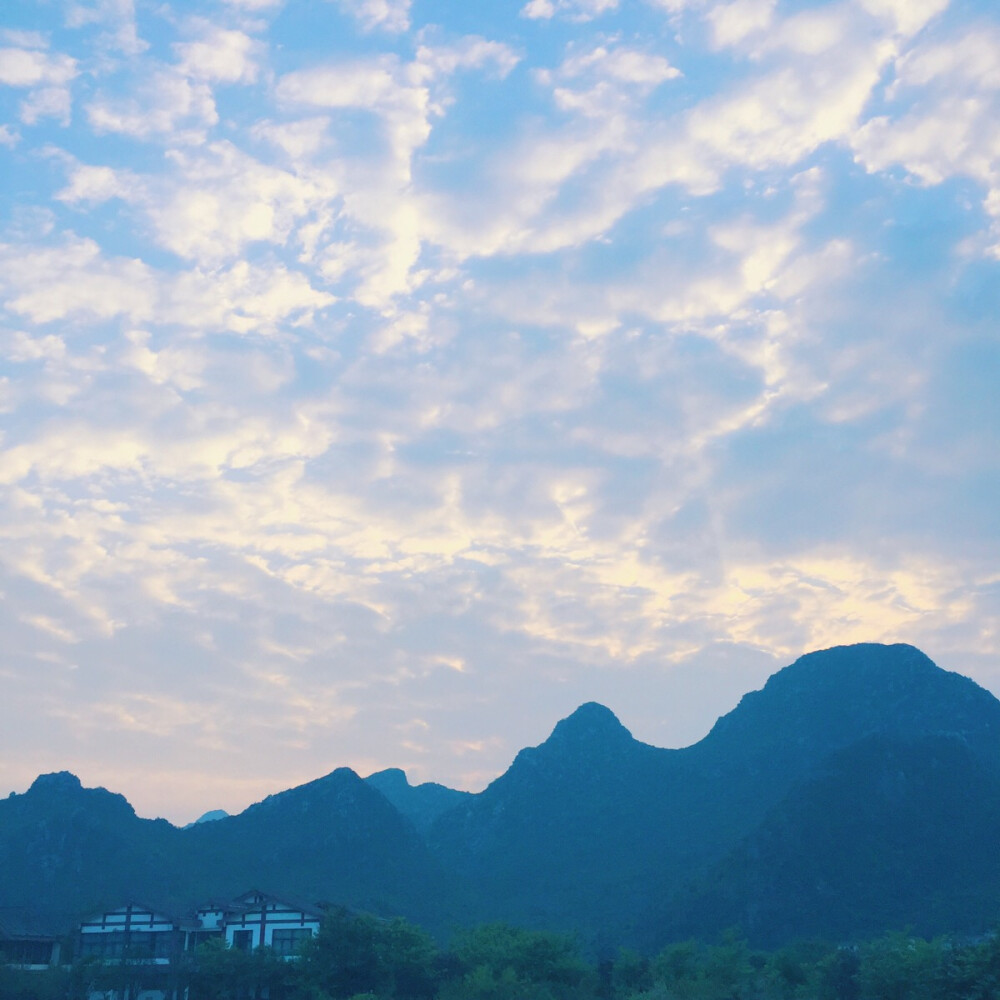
x: 150, y: 943
x: 253, y: 920
x: 24, y: 943
x: 256, y: 920
x: 142, y: 946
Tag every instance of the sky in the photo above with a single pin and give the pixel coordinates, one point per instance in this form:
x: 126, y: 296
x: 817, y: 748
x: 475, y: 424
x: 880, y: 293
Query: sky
x: 382, y: 379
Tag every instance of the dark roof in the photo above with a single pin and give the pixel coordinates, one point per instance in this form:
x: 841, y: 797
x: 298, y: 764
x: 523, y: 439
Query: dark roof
x: 238, y: 906
x: 18, y: 924
x: 135, y: 904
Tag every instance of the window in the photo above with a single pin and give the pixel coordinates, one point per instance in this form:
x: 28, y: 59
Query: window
x: 243, y: 940
x: 288, y: 942
x: 26, y: 952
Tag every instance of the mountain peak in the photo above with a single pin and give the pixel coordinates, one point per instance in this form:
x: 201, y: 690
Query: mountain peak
x: 57, y: 781
x: 389, y: 779
x: 829, y: 698
x: 591, y: 725
x: 591, y: 716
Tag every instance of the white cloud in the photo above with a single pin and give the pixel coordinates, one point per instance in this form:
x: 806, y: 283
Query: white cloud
x: 167, y: 103
x: 907, y: 16
x: 21, y: 348
x: 298, y: 139
x: 220, y: 55
x: 254, y: 5
x: 734, y: 22
x: 470, y: 52
x: 49, y: 283
x: 73, y: 280
x: 97, y: 184
x: 30, y: 68
x: 389, y: 15
x: 576, y: 10
x: 116, y: 16
x: 219, y: 199
x: 951, y: 127
x: 47, y: 102
x: 589, y: 311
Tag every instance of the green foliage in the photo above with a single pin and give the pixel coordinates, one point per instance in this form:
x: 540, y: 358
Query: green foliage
x: 359, y: 955
x: 630, y: 973
x: 222, y: 973
x: 501, y: 962
x: 20, y: 984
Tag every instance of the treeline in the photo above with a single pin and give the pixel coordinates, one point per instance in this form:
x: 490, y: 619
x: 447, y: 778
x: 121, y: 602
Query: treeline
x: 358, y: 957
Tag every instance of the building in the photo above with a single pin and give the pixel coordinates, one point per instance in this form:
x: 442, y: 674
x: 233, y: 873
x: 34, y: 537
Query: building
x: 256, y: 920
x: 24, y: 943
x: 140, y: 953
x: 142, y: 934
x: 131, y: 932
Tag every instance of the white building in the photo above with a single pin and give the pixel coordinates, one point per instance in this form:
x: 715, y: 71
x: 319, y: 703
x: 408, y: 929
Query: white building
x: 141, y: 945
x: 256, y: 920
x: 141, y: 934
x: 134, y: 932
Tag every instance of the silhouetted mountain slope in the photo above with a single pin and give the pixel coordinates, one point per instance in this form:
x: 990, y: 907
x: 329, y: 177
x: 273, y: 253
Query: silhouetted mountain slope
x: 568, y: 836
x: 787, y: 817
x: 335, y: 839
x: 584, y: 830
x: 890, y: 833
x: 65, y: 849
x: 828, y: 699
x: 421, y: 804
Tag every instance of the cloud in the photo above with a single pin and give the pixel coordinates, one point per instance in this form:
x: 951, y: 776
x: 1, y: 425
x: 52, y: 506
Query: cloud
x: 949, y: 127
x: 31, y: 67
x: 97, y: 184
x: 73, y: 280
x: 623, y: 350
x: 167, y: 103
x: 117, y: 17
x: 576, y: 10
x: 732, y: 23
x: 219, y: 199
x: 47, y: 74
x: 225, y: 56
x: 387, y: 15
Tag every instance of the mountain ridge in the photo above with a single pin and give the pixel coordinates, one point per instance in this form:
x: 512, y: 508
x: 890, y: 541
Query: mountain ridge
x: 591, y: 831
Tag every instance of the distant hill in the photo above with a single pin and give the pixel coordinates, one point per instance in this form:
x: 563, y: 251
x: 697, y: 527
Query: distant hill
x: 65, y: 849
x: 335, y: 840
x: 858, y: 790
x: 889, y: 833
x: 210, y: 816
x: 592, y: 830
x: 421, y: 804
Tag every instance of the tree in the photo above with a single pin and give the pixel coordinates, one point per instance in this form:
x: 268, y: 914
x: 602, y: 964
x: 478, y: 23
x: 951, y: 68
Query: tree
x: 358, y: 954
x: 501, y: 962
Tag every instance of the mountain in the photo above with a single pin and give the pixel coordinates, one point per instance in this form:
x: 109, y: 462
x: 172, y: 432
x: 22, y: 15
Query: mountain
x: 858, y: 790
x: 828, y: 699
x: 65, y: 849
x: 572, y: 825
x: 210, y: 816
x: 595, y: 832
x: 421, y: 804
x: 335, y: 839
x: 889, y: 833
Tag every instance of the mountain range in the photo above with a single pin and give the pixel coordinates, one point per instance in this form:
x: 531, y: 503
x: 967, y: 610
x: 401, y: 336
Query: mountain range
x: 858, y: 791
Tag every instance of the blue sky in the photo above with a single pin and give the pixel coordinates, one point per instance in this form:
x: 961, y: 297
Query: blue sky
x: 382, y: 379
